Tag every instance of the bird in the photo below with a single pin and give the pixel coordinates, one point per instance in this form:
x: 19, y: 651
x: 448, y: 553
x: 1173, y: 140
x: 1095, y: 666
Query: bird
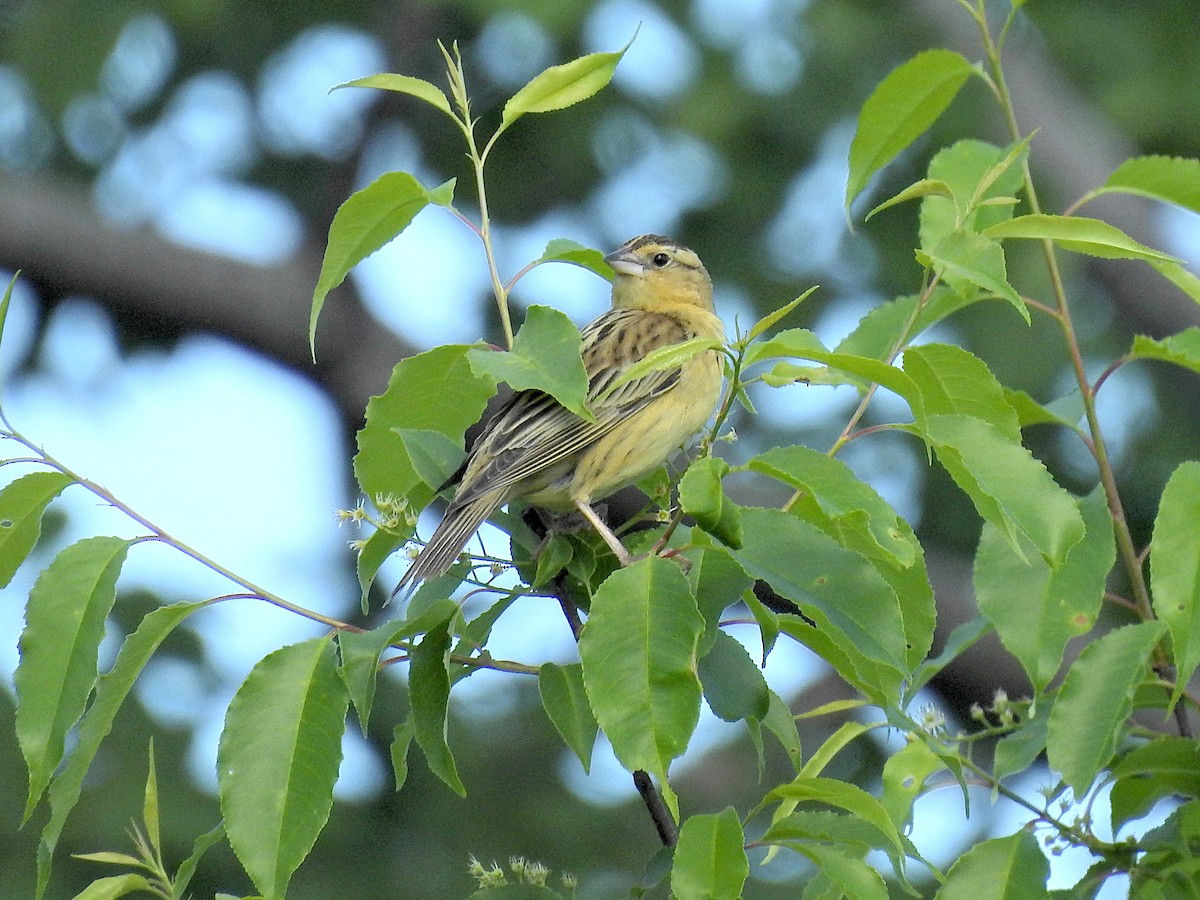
x: 536, y: 450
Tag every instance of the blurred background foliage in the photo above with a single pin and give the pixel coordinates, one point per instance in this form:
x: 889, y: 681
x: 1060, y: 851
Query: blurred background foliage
x: 167, y: 175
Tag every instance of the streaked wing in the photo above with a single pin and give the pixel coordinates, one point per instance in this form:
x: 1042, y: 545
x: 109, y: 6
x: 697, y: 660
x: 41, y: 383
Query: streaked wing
x: 534, y: 432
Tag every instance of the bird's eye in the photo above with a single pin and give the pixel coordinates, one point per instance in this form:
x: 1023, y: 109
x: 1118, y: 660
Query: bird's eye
x: 660, y: 260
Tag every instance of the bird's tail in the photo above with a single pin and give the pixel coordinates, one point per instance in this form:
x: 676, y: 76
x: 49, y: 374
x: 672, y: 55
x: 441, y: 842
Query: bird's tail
x: 458, y: 524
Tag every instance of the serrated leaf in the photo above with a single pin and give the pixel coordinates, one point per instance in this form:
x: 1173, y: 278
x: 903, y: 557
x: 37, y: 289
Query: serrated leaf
x: 964, y: 635
x: 437, y: 391
x: 967, y: 262
x: 1035, y: 609
x: 64, y: 624
x: 710, y: 860
x: 367, y: 220
x: 4, y: 304
x: 859, y: 625
x: 435, y: 456
x: 638, y: 651
x: 926, y: 187
x: 111, y: 690
x: 900, y: 109
x: 278, y: 759
x: 402, y: 736
x: 1030, y: 412
x: 848, y: 797
x: 1008, y: 486
x: 954, y: 380
x: 1007, y: 868
x: 1181, y: 349
x: 843, y: 874
x: 200, y: 846
x: 561, y: 86
x: 851, y: 510
x: 1079, y: 234
x: 890, y: 325
x: 717, y: 583
x: 545, y: 357
x: 702, y: 497
x: 114, y: 886
x: 1171, y: 179
x: 22, y: 503
x: 565, y: 701
x: 733, y: 685
x: 1095, y: 701
x: 1017, y: 750
x: 1182, y: 278
x: 359, y: 652
x: 1175, y: 569
x: 567, y: 251
x: 429, y: 693
x: 974, y: 172
x: 373, y: 553
x: 904, y: 776
x: 669, y: 357
x: 1165, y: 767
x: 775, y: 316
x: 404, y: 84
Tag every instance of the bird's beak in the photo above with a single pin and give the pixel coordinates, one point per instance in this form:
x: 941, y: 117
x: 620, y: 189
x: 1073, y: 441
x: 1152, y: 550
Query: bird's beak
x: 625, y: 263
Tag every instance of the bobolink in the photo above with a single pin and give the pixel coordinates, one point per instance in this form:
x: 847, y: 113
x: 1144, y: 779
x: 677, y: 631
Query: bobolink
x: 536, y: 450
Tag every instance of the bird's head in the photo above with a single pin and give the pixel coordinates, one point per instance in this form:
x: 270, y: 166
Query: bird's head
x: 653, y: 271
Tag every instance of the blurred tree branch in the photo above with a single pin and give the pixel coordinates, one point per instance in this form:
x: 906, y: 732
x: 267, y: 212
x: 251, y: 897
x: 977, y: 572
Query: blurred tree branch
x: 51, y: 231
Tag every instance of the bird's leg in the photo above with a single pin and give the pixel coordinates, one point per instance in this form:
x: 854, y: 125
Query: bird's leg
x: 605, y: 532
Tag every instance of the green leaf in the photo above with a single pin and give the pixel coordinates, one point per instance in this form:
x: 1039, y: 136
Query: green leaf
x: 1008, y: 486
x: 1182, y: 278
x: 638, y: 651
x: 404, y: 84
x: 359, y: 664
x: 717, y: 583
x: 150, y: 806
x: 378, y: 547
x: 1175, y: 568
x: 1081, y: 235
x: 967, y: 261
x: 964, y: 636
x: 733, y: 685
x: 890, y: 325
x: 904, y: 777
x: 429, y: 693
x: 833, y: 499
x: 6, y: 300
x: 848, y: 797
x: 1030, y: 412
x: 567, y: 251
x: 1165, y: 767
x: 111, y: 690
x: 545, y: 357
x: 366, y: 221
x: 788, y: 343
x: 64, y: 624
x: 200, y: 846
x: 859, y: 625
x: 844, y: 874
x: 114, y: 886
x: 561, y: 86
x: 702, y: 497
x: 710, y: 862
x: 1036, y: 609
x: 402, y: 736
x: 1095, y: 701
x: 435, y: 391
x: 1007, y: 868
x: 973, y: 172
x: 1171, y: 179
x: 669, y: 357
x: 435, y: 456
x: 781, y: 723
x: 278, y: 759
x: 22, y: 503
x: 1017, y: 750
x: 1181, y: 349
x: 772, y: 318
x: 926, y: 187
x: 901, y: 108
x: 565, y: 701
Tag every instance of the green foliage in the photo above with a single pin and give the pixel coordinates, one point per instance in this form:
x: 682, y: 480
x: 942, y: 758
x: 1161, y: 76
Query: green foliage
x: 833, y: 567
